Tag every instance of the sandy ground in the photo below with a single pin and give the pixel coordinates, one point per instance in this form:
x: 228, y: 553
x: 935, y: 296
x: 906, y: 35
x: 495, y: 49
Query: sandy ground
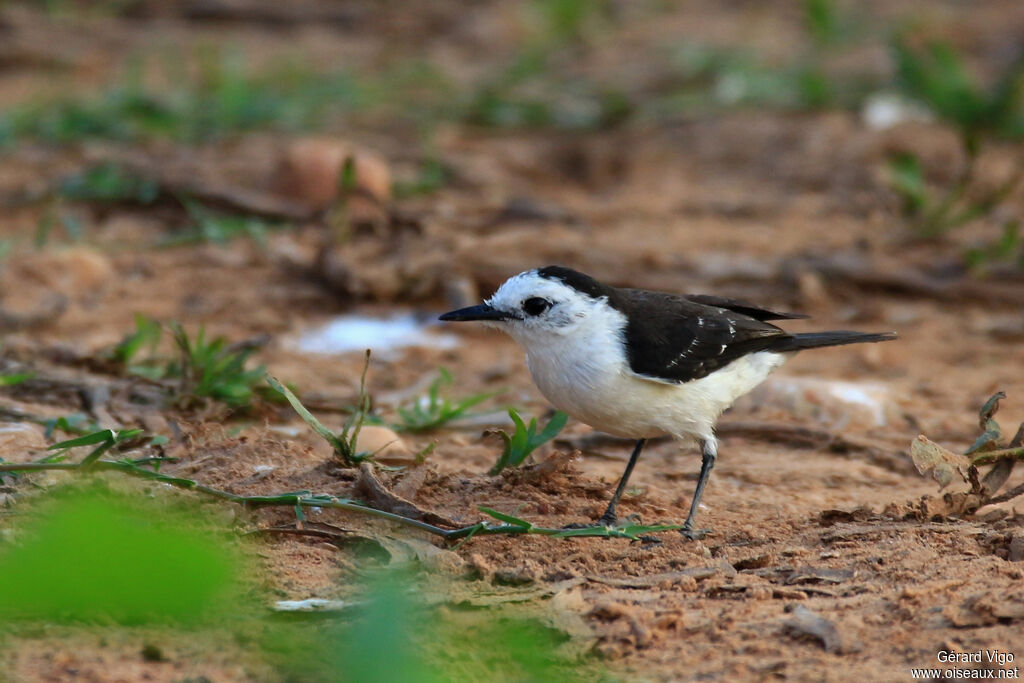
x: 819, y: 566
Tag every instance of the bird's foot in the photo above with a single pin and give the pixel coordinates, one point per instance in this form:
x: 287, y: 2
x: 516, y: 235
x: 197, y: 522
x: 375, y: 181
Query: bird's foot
x: 692, y: 534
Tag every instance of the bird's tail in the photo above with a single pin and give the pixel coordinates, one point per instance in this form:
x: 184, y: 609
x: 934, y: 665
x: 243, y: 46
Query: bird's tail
x: 813, y: 340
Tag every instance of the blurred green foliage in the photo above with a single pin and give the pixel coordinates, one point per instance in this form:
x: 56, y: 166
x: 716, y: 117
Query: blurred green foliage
x: 393, y: 636
x: 93, y: 557
x: 938, y: 77
x: 102, y: 557
x: 711, y: 77
x: 219, y: 228
x: 224, y: 99
x: 108, y: 182
x: 15, y: 378
x: 54, y: 217
x: 538, y: 85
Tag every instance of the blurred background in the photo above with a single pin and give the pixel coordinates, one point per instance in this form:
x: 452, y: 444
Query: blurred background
x: 190, y: 188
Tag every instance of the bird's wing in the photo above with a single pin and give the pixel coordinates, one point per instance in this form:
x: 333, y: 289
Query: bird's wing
x: 739, y: 306
x: 673, y: 339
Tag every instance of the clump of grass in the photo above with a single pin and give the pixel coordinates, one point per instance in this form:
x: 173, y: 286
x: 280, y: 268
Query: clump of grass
x: 55, y: 216
x: 146, y: 336
x: 75, y: 423
x: 104, y: 440
x: 108, y: 182
x: 217, y: 228
x: 433, y: 410
x: 431, y: 176
x: 938, y: 77
x: 345, y: 442
x: 525, y: 439
x: 213, y: 369
x: 339, y: 219
x: 204, y: 368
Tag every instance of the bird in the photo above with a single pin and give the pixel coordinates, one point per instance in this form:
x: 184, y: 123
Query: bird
x: 640, y: 364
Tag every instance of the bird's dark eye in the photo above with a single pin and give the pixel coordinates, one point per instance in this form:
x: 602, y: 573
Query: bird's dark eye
x: 536, y: 305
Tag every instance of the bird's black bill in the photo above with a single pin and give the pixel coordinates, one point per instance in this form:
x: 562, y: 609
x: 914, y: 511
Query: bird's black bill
x: 481, y: 312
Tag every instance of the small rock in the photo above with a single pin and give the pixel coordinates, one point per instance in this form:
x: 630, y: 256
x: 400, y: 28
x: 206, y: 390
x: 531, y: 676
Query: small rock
x: 389, y: 448
x: 1016, y: 553
x: 759, y: 592
x: 310, y: 171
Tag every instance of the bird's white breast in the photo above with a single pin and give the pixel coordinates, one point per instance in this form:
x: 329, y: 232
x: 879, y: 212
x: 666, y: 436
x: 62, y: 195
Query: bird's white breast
x: 586, y: 374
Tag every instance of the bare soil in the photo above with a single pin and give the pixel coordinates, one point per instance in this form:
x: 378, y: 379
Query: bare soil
x: 785, y: 209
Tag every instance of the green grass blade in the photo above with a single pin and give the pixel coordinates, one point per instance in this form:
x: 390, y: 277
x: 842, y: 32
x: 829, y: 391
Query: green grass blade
x: 306, y: 416
x: 11, y: 380
x: 87, y: 440
x: 552, y: 428
x: 97, y: 452
x: 502, y: 517
x: 630, y: 531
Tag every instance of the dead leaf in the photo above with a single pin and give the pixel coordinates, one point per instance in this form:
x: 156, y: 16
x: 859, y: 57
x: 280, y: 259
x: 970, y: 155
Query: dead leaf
x: 807, y: 622
x: 380, y: 498
x: 944, y: 464
x: 409, y: 485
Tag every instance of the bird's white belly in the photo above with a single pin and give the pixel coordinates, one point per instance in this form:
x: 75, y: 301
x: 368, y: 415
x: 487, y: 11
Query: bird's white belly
x: 621, y: 403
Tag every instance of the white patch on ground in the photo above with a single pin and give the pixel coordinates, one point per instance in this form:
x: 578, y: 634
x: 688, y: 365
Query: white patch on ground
x: 834, y: 402
x: 350, y: 333
x: 884, y: 110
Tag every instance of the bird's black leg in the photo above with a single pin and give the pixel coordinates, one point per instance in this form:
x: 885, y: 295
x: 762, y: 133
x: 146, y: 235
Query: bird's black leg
x: 709, y: 451
x: 609, y: 518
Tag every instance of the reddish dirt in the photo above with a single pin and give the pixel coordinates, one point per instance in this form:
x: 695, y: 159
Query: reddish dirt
x: 745, y: 204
